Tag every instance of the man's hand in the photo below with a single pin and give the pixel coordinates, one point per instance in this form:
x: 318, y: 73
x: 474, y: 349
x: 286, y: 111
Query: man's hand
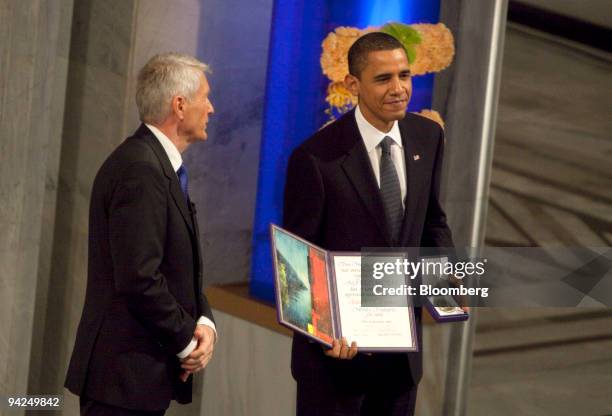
x: 341, y: 350
x: 199, y: 358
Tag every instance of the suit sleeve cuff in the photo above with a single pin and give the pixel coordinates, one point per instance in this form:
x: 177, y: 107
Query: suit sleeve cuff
x: 188, y: 349
x: 194, y: 343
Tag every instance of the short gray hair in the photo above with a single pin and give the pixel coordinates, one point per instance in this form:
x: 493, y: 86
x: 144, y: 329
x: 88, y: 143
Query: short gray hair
x: 162, y: 78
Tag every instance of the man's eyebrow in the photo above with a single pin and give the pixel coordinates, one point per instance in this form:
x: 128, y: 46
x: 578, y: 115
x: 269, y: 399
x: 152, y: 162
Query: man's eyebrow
x: 387, y: 75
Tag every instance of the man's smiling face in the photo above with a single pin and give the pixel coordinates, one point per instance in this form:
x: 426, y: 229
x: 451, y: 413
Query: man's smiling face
x: 384, y: 87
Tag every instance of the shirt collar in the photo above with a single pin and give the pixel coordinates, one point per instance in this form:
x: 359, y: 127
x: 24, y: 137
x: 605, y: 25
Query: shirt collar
x: 371, y: 135
x: 171, y: 151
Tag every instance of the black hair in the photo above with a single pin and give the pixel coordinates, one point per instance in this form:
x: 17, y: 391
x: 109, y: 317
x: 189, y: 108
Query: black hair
x: 371, y: 42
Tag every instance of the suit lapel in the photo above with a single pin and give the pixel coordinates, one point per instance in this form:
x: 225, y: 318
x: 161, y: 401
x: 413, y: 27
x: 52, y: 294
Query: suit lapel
x: 358, y: 169
x: 175, y: 187
x: 412, y: 156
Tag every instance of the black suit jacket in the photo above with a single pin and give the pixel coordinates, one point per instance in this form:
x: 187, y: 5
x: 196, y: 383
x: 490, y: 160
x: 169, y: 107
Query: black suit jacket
x: 144, y: 286
x: 332, y: 199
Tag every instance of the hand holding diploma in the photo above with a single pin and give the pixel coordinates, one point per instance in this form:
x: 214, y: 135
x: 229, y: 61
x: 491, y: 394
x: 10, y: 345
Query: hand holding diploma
x: 341, y: 350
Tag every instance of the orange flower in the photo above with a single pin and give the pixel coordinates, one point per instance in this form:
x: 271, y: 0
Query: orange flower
x: 433, y: 54
x: 436, y: 50
x: 338, y: 96
x: 334, y: 58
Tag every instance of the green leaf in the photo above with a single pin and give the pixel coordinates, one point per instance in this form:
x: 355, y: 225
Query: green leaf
x: 410, y: 53
x: 407, y: 36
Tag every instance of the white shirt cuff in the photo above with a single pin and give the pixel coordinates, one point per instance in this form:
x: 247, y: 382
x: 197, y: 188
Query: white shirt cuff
x: 194, y: 343
x: 205, y: 321
x: 188, y: 349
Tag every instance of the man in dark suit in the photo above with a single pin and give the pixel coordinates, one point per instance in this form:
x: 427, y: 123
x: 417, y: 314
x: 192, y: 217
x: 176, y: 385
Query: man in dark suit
x: 146, y: 325
x: 370, y: 179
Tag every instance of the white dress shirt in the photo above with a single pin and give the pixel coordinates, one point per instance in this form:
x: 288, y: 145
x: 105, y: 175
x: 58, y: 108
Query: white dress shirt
x: 177, y: 160
x: 372, y: 137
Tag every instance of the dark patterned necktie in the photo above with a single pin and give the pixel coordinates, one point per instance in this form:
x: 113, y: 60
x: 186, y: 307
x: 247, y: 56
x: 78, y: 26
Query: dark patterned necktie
x: 182, y: 175
x: 390, y: 190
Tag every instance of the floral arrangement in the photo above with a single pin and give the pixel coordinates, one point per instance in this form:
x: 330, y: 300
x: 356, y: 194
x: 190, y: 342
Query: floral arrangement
x: 429, y: 47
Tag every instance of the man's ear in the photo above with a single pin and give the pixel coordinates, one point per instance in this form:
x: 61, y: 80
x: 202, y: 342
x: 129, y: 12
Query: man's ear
x: 178, y: 106
x: 351, y: 83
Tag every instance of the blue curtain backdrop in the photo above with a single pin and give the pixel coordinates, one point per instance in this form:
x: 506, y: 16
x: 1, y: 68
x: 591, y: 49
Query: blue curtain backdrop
x: 295, y: 97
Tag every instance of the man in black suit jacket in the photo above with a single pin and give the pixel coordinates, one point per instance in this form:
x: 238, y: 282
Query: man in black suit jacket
x: 342, y: 193
x: 146, y: 325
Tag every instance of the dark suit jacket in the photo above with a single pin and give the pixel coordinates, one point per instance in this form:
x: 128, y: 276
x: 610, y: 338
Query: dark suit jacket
x: 332, y: 199
x: 144, y: 285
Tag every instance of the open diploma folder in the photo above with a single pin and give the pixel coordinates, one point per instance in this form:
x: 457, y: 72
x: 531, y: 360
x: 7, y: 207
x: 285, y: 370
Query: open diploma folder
x: 318, y: 293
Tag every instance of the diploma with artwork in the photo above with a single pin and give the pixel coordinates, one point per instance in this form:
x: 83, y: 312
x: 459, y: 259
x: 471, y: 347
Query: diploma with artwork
x: 318, y: 293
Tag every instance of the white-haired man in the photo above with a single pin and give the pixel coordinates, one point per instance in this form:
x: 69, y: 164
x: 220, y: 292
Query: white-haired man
x: 146, y: 325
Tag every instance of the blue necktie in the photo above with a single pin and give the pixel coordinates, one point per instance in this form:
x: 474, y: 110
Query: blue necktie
x: 182, y: 175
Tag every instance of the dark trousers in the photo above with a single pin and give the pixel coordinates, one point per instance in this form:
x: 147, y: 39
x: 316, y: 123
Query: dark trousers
x: 91, y: 407
x: 378, y: 385
x: 316, y: 400
x: 368, y: 385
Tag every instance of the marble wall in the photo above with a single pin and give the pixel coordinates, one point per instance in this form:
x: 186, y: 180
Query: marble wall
x: 101, y: 38
x: 67, y: 95
x: 33, y: 47
x: 224, y: 170
x: 250, y: 373
x: 37, y: 353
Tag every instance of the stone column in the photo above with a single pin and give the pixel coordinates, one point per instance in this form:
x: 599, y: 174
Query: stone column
x: 466, y: 95
x: 98, y: 68
x: 33, y: 47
